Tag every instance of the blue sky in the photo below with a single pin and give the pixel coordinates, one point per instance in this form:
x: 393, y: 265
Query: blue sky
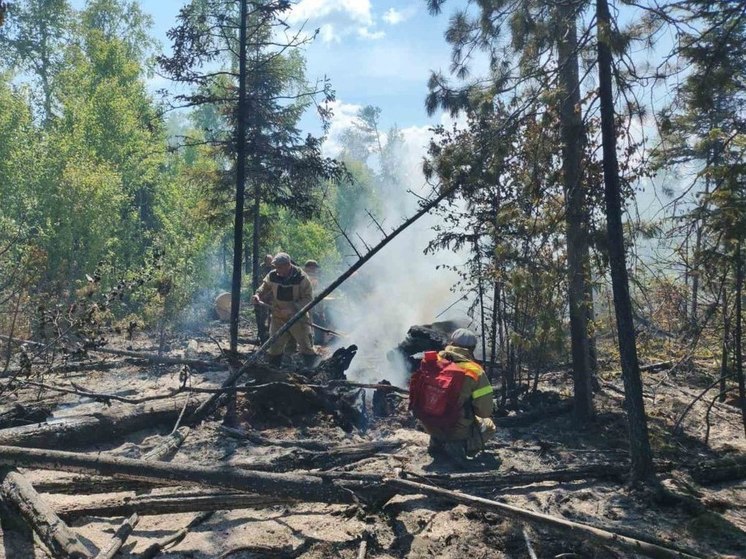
x: 377, y: 52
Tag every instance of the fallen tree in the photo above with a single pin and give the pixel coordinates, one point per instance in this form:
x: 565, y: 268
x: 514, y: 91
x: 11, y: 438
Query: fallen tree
x: 185, y: 500
x: 310, y: 488
x: 61, y: 540
x: 90, y: 429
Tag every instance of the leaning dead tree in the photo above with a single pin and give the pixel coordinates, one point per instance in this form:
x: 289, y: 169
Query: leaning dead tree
x: 211, y: 403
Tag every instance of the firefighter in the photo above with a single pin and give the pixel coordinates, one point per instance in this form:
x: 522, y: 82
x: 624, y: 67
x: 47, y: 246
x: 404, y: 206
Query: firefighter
x: 291, y: 290
x: 474, y: 426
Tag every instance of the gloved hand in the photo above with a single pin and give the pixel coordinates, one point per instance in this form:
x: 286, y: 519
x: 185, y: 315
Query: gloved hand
x: 255, y: 300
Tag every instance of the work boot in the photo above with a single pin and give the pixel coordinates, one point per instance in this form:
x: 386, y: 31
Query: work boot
x: 275, y: 360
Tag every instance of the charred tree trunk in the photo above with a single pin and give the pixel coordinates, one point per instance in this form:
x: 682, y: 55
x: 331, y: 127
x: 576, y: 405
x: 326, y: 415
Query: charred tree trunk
x: 295, y: 486
x: 240, y: 181
x: 571, y: 126
x: 725, y: 354
x: 640, y: 452
x: 52, y: 531
x: 738, y: 347
x: 90, y: 429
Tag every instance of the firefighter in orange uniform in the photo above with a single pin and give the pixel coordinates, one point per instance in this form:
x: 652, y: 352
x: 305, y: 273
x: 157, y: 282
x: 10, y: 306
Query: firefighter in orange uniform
x: 472, y: 424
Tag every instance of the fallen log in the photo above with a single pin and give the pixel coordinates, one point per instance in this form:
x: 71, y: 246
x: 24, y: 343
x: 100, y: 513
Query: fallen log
x: 608, y: 472
x: 241, y: 434
x: 310, y: 488
x: 18, y: 414
x: 565, y: 526
x: 52, y: 531
x: 168, y: 446
x: 120, y: 536
x: 90, y: 485
x: 152, y: 357
x: 731, y: 468
x: 185, y: 500
x: 90, y: 429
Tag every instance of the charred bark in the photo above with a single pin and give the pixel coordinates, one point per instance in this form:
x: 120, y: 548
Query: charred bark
x: 576, y: 202
x: 172, y: 503
x: 52, y: 531
x: 640, y: 452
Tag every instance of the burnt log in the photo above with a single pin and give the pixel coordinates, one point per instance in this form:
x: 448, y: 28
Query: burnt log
x: 52, y: 531
x: 89, y: 485
x: 309, y: 488
x: 186, y: 500
x: 418, y: 340
x: 105, y: 426
x: 18, y: 414
x: 120, y: 536
x: 334, y: 367
x: 168, y: 446
x: 731, y: 468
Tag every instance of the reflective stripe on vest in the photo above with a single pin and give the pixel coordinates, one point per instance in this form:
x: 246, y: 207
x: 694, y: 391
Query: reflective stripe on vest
x: 479, y: 392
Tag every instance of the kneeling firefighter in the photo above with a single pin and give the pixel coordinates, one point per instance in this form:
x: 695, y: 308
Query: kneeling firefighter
x: 452, y: 397
x: 291, y: 290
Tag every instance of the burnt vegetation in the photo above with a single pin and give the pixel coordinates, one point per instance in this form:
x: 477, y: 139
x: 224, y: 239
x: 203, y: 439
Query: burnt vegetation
x: 593, y: 192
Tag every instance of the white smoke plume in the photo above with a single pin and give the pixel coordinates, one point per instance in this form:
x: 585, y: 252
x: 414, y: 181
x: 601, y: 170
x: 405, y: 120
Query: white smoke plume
x: 400, y: 286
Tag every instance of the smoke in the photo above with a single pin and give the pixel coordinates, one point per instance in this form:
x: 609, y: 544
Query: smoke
x: 400, y: 286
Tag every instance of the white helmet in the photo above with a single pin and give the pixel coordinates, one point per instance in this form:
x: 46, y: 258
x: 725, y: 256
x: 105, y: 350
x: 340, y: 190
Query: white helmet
x: 463, y: 337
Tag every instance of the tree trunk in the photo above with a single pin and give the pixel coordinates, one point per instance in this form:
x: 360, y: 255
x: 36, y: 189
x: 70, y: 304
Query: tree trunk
x: 640, y: 452
x: 240, y: 181
x: 738, y: 354
x: 53, y: 532
x: 260, y: 313
x: 91, y: 429
x: 575, y: 210
x: 725, y: 354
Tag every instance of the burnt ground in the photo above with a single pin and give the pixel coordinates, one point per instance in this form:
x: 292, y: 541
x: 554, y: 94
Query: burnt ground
x: 710, y: 521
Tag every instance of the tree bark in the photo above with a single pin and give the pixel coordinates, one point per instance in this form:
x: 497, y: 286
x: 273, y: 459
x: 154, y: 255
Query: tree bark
x: 571, y: 126
x: 91, y: 429
x: 640, y: 452
x: 241, y: 155
x: 52, y: 531
x: 738, y: 353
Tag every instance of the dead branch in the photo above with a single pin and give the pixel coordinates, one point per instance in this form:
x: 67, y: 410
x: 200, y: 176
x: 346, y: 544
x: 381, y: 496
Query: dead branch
x: 120, y: 536
x: 566, y: 527
x: 241, y: 434
x: 701, y: 395
x: 52, y: 531
x: 168, y: 446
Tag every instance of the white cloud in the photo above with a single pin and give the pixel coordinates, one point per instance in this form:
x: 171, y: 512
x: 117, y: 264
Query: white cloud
x: 336, y: 18
x: 344, y: 114
x: 395, y: 17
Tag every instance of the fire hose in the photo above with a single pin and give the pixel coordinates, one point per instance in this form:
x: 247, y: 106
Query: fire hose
x: 318, y: 327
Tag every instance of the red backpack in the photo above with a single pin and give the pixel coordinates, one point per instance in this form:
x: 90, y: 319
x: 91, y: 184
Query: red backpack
x: 434, y: 391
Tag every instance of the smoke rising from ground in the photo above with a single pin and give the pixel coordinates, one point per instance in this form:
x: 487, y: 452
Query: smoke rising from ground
x: 400, y: 286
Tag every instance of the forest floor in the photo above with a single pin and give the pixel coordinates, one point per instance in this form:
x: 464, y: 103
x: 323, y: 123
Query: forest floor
x: 417, y: 525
